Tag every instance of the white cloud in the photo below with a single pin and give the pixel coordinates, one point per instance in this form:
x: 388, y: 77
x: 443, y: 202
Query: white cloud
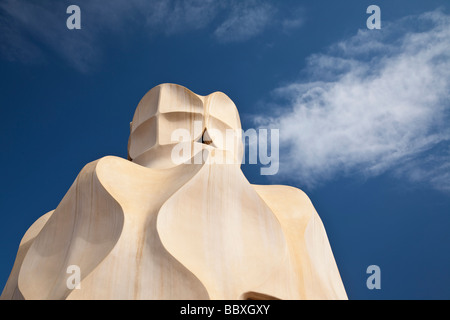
x: 376, y: 102
x: 245, y: 21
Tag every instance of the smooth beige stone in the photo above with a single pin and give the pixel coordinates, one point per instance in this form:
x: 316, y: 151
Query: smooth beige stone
x: 154, y: 228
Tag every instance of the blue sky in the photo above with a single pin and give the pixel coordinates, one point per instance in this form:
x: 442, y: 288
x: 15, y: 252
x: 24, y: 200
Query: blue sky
x: 363, y: 114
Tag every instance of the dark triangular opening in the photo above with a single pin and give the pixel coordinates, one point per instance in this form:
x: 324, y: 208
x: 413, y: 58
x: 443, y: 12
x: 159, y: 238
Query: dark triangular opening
x: 206, y: 139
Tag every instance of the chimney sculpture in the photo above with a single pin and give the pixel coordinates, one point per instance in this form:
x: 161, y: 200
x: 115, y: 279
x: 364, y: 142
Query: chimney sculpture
x: 177, y: 220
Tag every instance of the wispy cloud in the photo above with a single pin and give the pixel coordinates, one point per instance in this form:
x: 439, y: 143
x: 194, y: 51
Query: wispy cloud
x: 293, y: 19
x: 377, y: 102
x: 171, y: 17
x: 14, y: 45
x: 32, y: 29
x: 432, y: 167
x: 245, y: 21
